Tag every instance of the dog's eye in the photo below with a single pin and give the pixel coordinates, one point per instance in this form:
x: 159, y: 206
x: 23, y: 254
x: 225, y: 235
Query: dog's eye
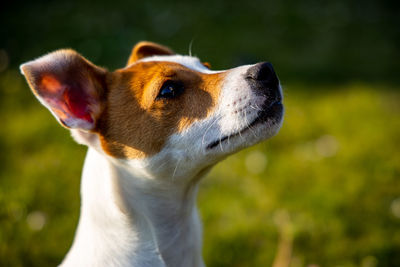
x: 170, y: 89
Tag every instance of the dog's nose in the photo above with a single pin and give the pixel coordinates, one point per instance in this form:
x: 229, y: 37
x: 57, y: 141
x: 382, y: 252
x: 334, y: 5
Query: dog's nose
x: 264, y: 73
x: 263, y: 79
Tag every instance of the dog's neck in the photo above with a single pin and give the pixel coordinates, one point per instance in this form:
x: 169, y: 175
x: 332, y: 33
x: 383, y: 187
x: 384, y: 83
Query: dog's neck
x: 129, y: 220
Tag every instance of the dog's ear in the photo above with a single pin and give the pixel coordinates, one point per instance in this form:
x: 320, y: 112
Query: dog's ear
x: 147, y: 49
x: 70, y: 86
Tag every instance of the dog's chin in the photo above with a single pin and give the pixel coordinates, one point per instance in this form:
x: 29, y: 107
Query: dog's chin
x: 264, y: 126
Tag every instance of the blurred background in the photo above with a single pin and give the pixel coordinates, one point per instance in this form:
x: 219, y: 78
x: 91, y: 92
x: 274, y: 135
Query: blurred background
x: 324, y: 192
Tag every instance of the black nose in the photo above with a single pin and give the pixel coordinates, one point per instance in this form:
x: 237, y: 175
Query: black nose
x: 264, y: 73
x: 263, y: 79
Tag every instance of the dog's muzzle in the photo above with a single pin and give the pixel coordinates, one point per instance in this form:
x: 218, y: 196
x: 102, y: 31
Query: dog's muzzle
x: 264, y: 82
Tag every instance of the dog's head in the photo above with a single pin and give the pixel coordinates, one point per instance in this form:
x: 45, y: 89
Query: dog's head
x: 162, y: 109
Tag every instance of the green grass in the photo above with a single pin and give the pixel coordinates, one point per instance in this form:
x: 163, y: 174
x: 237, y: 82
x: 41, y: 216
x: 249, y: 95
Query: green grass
x: 329, y: 181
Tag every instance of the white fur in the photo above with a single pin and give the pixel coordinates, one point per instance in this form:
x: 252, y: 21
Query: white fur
x: 143, y: 212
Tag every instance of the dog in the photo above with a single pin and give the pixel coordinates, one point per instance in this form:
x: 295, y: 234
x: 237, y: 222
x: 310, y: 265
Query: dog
x: 153, y: 129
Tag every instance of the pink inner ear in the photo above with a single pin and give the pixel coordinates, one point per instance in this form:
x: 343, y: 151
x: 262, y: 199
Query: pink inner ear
x: 50, y: 84
x: 68, y: 102
x: 78, y: 104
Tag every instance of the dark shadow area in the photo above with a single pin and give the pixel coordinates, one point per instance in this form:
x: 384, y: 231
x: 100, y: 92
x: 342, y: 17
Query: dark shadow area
x: 309, y: 41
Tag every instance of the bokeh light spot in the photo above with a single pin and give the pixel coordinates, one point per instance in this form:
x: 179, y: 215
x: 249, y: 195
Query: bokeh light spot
x: 256, y: 162
x: 36, y: 220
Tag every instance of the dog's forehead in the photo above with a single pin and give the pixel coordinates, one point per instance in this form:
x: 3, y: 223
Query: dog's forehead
x: 190, y: 62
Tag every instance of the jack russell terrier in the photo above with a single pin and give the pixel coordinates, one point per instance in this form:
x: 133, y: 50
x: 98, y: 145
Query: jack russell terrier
x: 154, y: 129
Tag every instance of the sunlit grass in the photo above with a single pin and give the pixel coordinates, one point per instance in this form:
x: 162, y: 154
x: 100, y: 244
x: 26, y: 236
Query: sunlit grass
x: 328, y: 182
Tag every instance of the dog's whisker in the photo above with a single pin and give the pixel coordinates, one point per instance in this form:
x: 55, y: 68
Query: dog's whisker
x: 255, y: 107
x: 176, y: 168
x: 190, y: 47
x: 240, y: 132
x: 161, y: 166
x: 248, y: 124
x: 209, y: 127
x: 220, y: 141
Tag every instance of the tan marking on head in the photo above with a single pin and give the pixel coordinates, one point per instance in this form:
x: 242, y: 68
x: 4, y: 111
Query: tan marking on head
x: 135, y: 124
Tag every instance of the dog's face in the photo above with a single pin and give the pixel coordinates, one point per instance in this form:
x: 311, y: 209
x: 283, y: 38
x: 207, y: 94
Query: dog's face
x: 162, y: 109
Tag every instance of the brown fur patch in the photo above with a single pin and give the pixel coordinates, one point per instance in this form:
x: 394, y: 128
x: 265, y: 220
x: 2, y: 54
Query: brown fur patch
x: 135, y: 124
x: 147, y: 49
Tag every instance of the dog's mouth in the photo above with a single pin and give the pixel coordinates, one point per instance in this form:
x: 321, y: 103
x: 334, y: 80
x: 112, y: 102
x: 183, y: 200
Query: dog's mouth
x: 271, y: 113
